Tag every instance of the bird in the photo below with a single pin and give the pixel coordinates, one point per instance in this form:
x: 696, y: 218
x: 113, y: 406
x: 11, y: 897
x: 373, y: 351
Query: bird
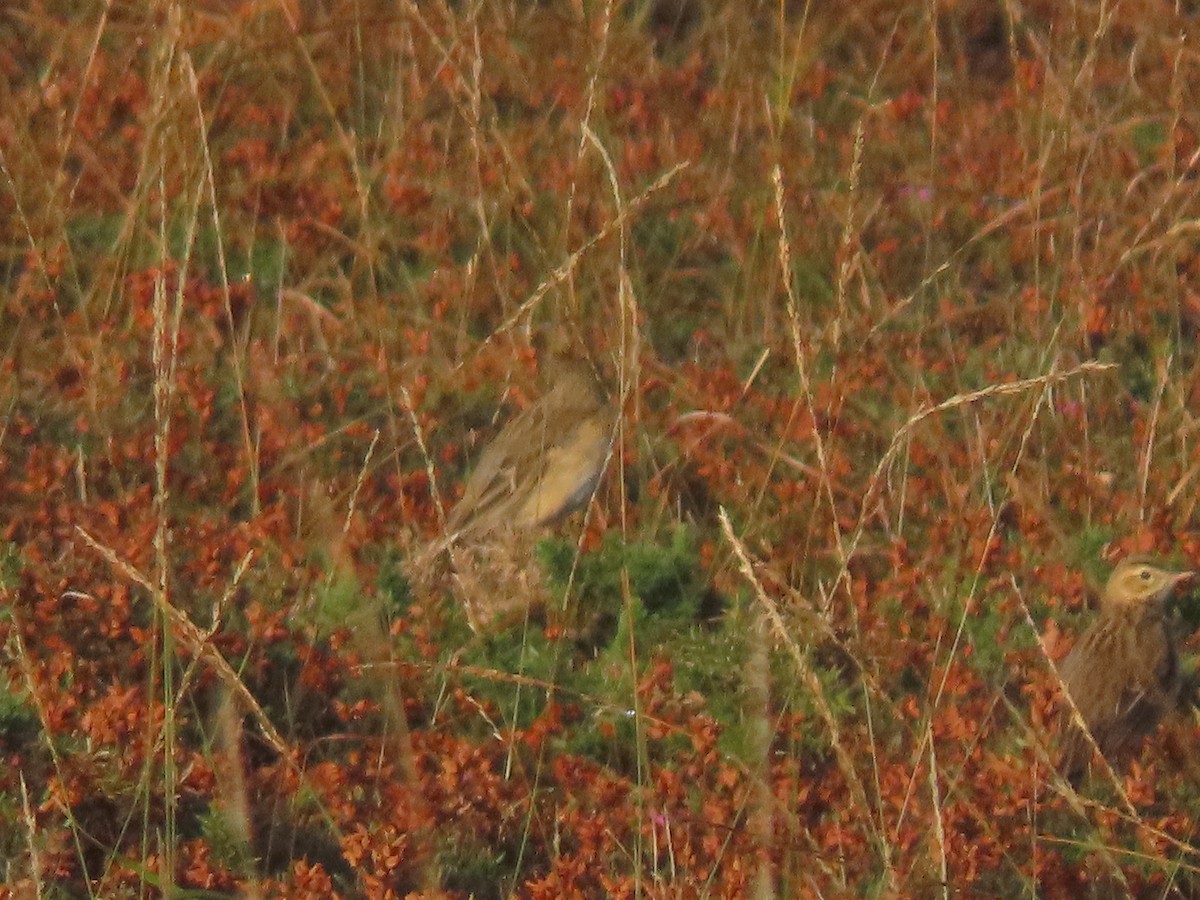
x: 542, y: 466
x: 1123, y: 672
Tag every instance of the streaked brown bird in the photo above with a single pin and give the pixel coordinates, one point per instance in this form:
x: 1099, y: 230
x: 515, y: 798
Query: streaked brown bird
x: 1123, y: 673
x: 543, y: 465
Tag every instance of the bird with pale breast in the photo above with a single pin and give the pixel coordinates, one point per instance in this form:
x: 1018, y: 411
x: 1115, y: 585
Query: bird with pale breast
x: 544, y: 464
x: 541, y: 467
x: 1123, y: 672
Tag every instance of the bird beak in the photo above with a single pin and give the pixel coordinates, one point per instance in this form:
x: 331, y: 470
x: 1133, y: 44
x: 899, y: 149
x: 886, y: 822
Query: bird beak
x: 1182, y: 577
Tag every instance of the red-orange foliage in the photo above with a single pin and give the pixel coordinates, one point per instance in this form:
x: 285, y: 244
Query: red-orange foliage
x: 311, y: 237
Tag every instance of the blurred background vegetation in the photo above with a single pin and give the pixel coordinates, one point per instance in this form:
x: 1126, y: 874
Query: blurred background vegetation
x: 897, y: 302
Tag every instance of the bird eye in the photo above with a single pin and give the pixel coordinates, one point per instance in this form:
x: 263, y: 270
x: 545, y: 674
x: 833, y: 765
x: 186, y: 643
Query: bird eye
x: 1144, y: 575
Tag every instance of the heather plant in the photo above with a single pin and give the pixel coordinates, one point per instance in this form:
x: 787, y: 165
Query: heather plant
x: 893, y: 309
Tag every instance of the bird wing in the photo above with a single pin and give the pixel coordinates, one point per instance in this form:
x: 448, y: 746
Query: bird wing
x: 538, y: 466
x: 568, y: 474
x: 1147, y: 689
x: 1155, y: 681
x: 495, y: 475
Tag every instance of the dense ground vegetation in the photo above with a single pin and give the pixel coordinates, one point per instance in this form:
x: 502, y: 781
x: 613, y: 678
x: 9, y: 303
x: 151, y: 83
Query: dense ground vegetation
x: 899, y: 302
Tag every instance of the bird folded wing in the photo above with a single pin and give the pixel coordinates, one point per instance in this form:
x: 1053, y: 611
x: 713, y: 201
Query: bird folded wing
x: 568, y: 475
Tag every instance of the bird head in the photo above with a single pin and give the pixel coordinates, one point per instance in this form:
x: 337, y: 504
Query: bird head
x: 1138, y: 581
